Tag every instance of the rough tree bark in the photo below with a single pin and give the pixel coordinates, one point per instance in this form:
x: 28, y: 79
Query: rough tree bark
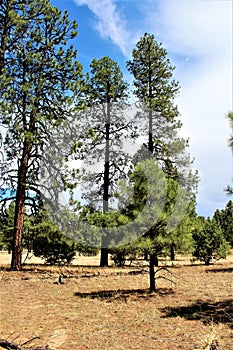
x: 16, y: 260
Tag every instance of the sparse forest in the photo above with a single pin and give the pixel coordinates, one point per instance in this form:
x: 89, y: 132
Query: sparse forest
x: 85, y: 173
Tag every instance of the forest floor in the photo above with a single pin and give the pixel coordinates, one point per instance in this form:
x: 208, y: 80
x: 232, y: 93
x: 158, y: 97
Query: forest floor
x: 111, y: 308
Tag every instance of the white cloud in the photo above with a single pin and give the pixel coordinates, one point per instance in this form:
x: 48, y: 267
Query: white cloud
x: 110, y: 23
x: 202, y: 31
x: 197, y: 27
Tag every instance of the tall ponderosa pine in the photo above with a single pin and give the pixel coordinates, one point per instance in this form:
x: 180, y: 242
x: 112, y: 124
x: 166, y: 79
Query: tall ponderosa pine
x: 41, y: 72
x: 105, y: 94
x: 156, y: 91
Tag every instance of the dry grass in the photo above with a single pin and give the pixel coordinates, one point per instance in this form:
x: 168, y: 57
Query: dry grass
x: 112, y: 308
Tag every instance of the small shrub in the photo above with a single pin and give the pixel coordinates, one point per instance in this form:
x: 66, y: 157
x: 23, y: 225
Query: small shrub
x: 54, y: 248
x: 210, y: 243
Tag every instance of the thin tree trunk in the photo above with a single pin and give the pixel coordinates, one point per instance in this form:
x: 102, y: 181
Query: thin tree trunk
x: 153, y: 257
x: 104, y: 244
x: 172, y: 252
x: 152, y: 273
x: 106, y: 170
x: 153, y: 262
x: 150, y: 143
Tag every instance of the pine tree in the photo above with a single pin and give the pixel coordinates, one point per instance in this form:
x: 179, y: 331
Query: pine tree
x: 41, y: 72
x: 105, y: 95
x: 210, y: 243
x: 224, y: 218
x: 156, y: 91
x: 50, y: 243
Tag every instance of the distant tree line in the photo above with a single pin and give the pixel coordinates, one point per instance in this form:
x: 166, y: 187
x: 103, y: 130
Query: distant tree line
x: 207, y: 239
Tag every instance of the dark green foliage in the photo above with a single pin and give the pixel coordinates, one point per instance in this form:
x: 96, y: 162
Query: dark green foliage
x: 7, y: 227
x: 105, y: 83
x: 224, y: 218
x: 129, y: 252
x: 54, y: 248
x: 86, y: 250
x: 209, y: 241
x: 51, y: 245
x: 152, y: 73
x: 153, y: 205
x: 118, y: 255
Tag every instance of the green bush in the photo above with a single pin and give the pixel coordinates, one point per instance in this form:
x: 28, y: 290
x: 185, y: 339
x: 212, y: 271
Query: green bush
x: 54, y: 248
x: 209, y: 242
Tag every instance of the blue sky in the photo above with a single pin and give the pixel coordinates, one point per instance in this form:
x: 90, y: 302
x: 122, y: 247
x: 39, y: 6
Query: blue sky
x: 197, y: 35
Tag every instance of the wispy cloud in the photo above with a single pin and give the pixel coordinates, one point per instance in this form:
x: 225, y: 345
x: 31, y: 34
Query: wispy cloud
x: 109, y: 22
x: 202, y: 32
x: 200, y: 27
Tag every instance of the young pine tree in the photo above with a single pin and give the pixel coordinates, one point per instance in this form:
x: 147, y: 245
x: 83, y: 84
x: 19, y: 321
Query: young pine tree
x: 210, y: 243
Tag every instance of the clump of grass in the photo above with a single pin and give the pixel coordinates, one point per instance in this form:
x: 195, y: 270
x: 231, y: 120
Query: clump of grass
x: 211, y: 340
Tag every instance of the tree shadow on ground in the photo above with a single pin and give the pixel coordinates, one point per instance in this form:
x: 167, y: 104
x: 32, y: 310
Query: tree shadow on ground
x: 125, y: 294
x: 228, y: 270
x: 219, y: 312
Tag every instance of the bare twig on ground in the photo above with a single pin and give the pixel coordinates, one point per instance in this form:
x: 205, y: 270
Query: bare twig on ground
x: 9, y: 345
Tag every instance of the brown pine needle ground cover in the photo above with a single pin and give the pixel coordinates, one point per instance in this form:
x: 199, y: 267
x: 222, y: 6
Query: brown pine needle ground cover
x: 112, y: 308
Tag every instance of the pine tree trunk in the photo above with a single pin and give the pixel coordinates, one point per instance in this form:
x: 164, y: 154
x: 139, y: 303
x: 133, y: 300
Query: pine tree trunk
x: 104, y: 245
x: 152, y: 272
x: 104, y: 257
x: 150, y: 143
x: 154, y: 262
x: 16, y: 260
x: 172, y: 252
x: 153, y: 257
